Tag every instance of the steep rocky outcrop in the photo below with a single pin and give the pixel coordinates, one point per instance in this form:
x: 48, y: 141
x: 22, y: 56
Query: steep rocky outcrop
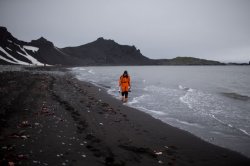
x: 108, y: 52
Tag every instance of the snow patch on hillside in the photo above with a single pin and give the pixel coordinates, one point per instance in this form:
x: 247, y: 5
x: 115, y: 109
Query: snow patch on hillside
x: 14, y: 61
x: 9, y: 48
x: 31, y: 48
x: 29, y: 57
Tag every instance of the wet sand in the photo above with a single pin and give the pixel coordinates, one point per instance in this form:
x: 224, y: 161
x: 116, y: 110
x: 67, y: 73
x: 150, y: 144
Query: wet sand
x: 48, y: 117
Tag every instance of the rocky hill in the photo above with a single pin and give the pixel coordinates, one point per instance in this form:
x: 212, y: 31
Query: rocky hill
x: 107, y: 52
x: 36, y: 52
x: 186, y: 61
x: 99, y: 52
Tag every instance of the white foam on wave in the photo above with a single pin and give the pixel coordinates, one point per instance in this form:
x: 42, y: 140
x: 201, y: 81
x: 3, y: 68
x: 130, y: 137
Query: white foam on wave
x: 91, y: 71
x: 245, y: 132
x: 184, y: 100
x: 156, y: 89
x: 111, y: 91
x: 74, y: 68
x: 161, y: 91
x: 224, y: 123
x: 79, y: 77
x: 77, y: 68
x: 213, y: 116
x: 230, y: 125
x: 200, y: 101
x: 150, y: 111
x: 138, y: 99
x: 189, y: 123
x: 181, y: 87
x: 184, y: 122
x: 216, y: 111
x: 221, y: 134
x: 185, y: 88
x: 133, y: 101
x: 190, y: 96
x: 114, y: 92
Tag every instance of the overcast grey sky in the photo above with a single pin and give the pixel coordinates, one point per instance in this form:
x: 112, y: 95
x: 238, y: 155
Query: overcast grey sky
x: 211, y: 29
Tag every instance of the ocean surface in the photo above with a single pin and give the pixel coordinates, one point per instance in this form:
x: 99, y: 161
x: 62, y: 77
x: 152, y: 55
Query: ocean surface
x: 211, y: 102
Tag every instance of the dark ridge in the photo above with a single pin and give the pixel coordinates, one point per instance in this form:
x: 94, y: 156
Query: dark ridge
x: 41, y: 41
x: 187, y: 61
x: 108, y: 52
x: 6, y: 36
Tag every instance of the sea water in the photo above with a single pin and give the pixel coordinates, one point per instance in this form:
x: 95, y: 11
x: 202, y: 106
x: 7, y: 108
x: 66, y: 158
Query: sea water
x: 211, y: 102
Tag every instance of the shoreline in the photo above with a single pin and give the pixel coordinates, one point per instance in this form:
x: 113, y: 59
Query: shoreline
x: 70, y: 122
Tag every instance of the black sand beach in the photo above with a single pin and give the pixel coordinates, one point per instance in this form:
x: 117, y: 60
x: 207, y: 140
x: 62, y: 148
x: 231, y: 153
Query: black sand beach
x: 54, y: 119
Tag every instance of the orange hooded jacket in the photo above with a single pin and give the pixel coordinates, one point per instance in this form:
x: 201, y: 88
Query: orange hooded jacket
x: 124, y: 83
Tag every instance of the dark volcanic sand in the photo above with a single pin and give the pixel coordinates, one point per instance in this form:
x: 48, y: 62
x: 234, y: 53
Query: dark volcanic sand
x: 50, y: 119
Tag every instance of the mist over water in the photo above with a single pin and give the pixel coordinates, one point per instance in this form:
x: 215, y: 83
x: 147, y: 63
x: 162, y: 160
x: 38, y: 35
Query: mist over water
x: 212, y: 102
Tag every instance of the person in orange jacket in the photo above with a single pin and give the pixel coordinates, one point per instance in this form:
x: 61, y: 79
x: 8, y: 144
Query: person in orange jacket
x: 125, y: 86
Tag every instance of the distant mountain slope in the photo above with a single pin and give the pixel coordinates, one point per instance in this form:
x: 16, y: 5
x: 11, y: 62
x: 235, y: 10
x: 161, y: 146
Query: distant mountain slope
x: 108, y: 52
x: 14, y: 51
x: 99, y: 52
x: 36, y: 52
x: 186, y: 61
x: 50, y: 54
